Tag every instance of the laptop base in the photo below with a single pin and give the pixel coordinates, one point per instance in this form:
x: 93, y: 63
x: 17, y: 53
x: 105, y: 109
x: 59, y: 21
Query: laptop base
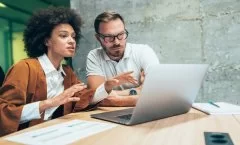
x: 119, y: 116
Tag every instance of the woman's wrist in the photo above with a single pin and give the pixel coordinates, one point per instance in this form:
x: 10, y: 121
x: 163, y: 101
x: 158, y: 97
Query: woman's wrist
x: 108, y: 87
x: 45, y: 104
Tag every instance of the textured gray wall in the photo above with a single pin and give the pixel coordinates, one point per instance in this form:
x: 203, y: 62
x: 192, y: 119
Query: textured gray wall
x: 189, y: 31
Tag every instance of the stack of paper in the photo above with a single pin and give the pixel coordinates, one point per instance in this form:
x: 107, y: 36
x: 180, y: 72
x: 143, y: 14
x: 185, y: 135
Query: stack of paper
x: 219, y: 108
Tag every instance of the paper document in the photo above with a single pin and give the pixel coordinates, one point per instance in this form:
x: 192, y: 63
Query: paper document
x: 219, y: 108
x: 60, y: 134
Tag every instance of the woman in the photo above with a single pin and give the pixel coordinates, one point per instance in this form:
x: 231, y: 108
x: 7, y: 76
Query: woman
x: 40, y: 88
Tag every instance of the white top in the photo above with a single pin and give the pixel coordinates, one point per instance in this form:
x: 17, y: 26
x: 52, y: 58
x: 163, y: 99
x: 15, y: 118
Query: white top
x: 54, y: 79
x: 137, y: 57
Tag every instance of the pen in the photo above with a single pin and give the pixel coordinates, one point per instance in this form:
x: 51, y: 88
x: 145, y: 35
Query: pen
x: 214, y: 104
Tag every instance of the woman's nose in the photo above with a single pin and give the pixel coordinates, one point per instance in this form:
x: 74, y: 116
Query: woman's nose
x: 71, y: 40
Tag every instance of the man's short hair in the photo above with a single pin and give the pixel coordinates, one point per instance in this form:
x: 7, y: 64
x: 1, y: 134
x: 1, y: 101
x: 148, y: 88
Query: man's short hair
x: 106, y: 17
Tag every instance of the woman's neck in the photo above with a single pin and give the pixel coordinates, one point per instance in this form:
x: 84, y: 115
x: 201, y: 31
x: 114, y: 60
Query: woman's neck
x: 56, y: 61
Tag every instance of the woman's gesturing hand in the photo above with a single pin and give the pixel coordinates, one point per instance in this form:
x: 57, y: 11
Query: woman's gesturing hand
x: 65, y: 97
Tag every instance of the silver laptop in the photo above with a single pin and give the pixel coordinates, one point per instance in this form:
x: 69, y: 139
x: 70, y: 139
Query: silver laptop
x: 168, y: 90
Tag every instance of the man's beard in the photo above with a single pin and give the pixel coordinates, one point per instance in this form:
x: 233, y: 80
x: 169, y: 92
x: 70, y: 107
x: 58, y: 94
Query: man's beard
x: 115, y: 46
x: 116, y: 56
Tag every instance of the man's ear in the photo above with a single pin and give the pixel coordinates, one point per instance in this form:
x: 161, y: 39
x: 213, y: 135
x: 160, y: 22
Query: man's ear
x: 97, y: 37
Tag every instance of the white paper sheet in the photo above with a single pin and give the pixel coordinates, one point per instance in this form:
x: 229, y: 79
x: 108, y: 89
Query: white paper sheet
x: 61, y: 134
x: 224, y: 108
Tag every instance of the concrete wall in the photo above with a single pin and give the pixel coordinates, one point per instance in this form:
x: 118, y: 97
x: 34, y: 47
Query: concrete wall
x: 189, y: 31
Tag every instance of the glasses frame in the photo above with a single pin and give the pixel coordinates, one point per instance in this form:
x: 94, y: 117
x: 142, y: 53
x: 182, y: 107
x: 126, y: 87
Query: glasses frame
x: 114, y: 36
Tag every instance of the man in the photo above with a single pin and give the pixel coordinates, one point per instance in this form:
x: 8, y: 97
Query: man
x: 116, y: 56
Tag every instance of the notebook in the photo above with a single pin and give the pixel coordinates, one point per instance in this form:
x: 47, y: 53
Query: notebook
x: 223, y: 108
x: 168, y: 90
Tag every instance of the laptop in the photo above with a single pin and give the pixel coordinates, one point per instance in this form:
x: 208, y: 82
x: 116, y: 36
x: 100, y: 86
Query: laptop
x: 168, y: 90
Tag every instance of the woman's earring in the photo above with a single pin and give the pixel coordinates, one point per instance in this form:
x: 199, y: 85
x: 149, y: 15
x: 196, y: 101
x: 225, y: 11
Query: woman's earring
x: 46, y: 43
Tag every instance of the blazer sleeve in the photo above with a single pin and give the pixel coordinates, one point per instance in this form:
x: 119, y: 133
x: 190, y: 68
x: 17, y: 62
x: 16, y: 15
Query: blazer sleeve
x: 13, y: 97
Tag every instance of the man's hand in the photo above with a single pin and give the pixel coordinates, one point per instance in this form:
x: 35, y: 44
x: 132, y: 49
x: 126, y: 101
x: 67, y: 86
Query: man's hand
x: 119, y: 101
x: 142, y: 77
x: 119, y: 80
x: 63, y: 98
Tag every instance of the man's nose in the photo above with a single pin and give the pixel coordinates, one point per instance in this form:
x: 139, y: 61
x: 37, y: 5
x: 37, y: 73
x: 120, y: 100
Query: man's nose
x: 116, y: 40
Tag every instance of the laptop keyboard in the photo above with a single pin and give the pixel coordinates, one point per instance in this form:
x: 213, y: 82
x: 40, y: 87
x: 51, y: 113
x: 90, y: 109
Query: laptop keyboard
x: 125, y: 117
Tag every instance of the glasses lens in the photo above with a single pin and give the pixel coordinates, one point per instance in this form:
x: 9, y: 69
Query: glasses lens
x: 120, y: 36
x: 109, y: 38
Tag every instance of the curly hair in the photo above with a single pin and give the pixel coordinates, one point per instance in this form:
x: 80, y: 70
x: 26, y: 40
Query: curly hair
x: 41, y: 24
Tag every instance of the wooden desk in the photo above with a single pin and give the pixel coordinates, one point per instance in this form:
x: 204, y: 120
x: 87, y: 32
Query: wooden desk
x: 185, y: 129
x: 237, y: 117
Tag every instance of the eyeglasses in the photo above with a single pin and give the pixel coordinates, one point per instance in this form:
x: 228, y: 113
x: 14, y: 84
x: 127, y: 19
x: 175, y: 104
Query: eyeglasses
x: 111, y: 38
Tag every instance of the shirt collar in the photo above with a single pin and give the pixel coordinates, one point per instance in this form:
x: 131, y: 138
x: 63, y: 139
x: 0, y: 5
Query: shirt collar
x: 126, y: 53
x: 48, y: 66
x: 61, y: 70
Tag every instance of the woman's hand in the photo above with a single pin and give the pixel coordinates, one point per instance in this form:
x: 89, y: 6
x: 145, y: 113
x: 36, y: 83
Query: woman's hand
x: 63, y: 98
x: 119, y: 80
x: 86, y: 96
